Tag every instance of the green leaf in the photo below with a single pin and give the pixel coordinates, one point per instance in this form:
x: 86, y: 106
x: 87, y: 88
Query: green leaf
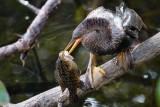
x: 158, y: 93
x: 4, y: 97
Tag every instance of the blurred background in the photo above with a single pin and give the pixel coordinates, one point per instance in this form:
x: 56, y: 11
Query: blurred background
x: 138, y: 88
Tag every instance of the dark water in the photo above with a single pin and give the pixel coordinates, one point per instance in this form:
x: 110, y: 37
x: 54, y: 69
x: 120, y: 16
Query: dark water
x: 135, y: 89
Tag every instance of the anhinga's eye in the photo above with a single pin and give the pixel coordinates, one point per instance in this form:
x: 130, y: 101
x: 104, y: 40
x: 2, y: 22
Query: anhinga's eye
x: 132, y: 31
x: 133, y: 28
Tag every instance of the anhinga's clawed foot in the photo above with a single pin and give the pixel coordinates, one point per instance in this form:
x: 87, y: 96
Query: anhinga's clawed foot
x: 125, y: 60
x: 94, y: 75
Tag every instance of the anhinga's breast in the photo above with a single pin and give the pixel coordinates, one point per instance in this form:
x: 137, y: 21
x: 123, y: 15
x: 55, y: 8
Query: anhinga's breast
x: 109, y: 38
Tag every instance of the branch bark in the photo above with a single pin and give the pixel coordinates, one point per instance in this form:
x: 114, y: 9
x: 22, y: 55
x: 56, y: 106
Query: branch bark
x: 145, y: 51
x: 28, y: 39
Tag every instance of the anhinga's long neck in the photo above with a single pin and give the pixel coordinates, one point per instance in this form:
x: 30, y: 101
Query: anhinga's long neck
x: 89, y: 25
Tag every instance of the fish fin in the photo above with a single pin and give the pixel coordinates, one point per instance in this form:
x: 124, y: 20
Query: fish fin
x: 62, y: 87
x: 79, y: 72
x: 73, y: 98
x: 58, y: 79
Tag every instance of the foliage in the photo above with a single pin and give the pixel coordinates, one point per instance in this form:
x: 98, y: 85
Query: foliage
x: 158, y: 93
x: 4, y: 97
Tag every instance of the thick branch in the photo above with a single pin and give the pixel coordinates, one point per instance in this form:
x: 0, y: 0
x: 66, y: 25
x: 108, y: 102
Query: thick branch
x: 145, y: 51
x: 28, y: 39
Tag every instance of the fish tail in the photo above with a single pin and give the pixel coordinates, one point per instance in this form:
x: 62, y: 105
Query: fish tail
x: 73, y: 98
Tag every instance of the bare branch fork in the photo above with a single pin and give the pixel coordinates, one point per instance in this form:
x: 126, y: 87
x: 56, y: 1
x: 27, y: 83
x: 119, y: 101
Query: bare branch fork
x: 28, y: 39
x: 145, y: 51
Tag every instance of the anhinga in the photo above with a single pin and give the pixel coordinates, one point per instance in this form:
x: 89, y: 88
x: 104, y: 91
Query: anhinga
x: 104, y: 32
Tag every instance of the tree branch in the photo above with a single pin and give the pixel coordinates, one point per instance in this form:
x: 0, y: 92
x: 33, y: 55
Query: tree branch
x: 145, y: 51
x: 28, y: 39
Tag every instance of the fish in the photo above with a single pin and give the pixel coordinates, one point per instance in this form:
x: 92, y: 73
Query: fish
x: 67, y: 74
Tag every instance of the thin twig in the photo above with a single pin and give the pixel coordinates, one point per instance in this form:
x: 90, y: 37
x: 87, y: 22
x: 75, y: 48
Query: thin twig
x: 40, y: 73
x: 27, y: 4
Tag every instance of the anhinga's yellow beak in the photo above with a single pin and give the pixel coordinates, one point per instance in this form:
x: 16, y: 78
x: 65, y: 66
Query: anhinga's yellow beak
x: 76, y: 42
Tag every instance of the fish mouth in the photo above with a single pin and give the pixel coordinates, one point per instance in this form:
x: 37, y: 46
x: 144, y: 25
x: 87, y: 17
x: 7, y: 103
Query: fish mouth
x: 64, y: 55
x: 73, y: 42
